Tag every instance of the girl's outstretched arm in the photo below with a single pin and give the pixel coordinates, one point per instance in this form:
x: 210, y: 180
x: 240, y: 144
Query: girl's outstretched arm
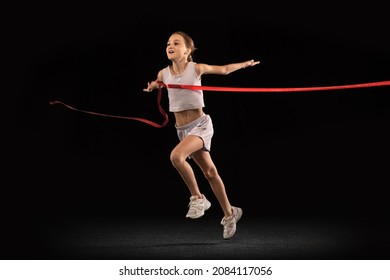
x: 154, y: 84
x: 203, y: 68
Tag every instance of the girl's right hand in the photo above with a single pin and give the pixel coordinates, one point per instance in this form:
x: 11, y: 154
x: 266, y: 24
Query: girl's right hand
x: 149, y: 88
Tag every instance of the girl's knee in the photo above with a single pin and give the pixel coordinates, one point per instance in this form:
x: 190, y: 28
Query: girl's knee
x: 211, y: 173
x: 176, y: 158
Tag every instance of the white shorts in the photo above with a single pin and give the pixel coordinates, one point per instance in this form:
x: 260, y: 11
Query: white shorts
x: 201, y: 127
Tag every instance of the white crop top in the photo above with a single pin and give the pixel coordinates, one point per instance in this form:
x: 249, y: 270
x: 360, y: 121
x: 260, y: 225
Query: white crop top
x: 183, y: 99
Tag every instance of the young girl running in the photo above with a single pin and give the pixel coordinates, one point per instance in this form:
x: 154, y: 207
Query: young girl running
x: 194, y: 127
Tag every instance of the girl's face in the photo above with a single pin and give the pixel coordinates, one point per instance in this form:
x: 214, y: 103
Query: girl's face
x: 176, y: 48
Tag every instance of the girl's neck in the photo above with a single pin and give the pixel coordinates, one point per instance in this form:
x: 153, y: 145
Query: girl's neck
x: 179, y: 67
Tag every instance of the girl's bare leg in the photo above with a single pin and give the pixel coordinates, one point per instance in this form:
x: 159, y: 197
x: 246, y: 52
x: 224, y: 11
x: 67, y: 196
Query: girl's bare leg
x: 179, y: 156
x: 203, y: 159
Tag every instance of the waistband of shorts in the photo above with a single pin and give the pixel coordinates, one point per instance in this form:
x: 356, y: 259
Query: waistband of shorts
x: 193, y: 123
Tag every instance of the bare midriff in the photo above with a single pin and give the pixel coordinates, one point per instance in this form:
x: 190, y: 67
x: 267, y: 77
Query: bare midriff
x: 187, y: 116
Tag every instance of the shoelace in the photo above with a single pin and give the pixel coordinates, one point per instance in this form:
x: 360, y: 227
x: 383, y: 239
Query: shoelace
x: 227, y: 221
x: 195, y: 205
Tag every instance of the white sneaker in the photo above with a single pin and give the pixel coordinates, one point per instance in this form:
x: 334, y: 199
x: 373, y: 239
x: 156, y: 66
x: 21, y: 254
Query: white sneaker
x: 230, y: 223
x: 197, y: 207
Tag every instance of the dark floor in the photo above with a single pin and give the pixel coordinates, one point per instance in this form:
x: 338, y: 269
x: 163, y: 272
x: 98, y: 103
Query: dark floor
x: 67, y: 175
x: 159, y: 237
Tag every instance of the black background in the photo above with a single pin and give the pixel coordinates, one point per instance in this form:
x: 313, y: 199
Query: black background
x: 312, y: 153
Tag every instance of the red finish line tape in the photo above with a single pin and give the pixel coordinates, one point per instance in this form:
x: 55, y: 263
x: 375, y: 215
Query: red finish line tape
x: 161, y: 109
x: 226, y: 89
x: 240, y: 89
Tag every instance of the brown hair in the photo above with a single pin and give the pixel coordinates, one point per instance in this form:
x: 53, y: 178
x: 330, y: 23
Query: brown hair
x: 189, y: 43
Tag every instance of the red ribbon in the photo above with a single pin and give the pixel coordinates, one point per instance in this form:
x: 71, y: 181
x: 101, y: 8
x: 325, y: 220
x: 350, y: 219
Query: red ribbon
x: 161, y: 109
x: 193, y: 87
x: 230, y: 89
